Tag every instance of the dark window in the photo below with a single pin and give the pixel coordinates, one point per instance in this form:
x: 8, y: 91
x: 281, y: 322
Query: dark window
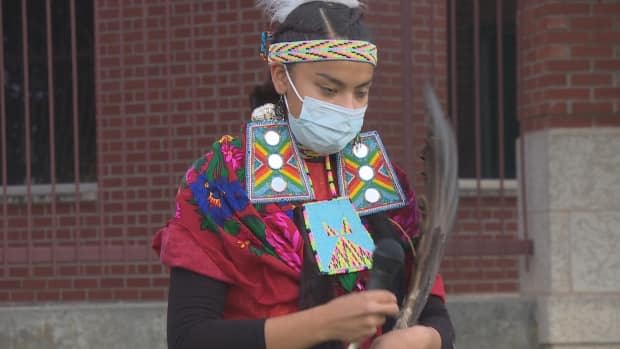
x: 39, y: 90
x: 489, y: 100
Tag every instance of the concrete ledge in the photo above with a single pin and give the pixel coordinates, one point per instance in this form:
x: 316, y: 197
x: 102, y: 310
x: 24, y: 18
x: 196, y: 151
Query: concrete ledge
x: 579, y: 320
x: 498, y: 322
x: 84, y: 326
x: 493, y: 322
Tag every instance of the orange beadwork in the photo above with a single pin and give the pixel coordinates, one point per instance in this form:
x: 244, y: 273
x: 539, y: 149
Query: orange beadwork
x: 323, y: 50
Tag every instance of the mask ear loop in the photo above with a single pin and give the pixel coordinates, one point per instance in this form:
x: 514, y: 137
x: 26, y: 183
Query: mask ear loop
x: 290, y: 81
x: 288, y: 109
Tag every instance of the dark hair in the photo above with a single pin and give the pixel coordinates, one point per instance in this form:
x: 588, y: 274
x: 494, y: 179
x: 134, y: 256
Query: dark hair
x: 306, y: 23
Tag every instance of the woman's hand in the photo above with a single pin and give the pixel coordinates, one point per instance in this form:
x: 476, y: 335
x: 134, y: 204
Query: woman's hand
x: 415, y: 337
x: 356, y: 316
x: 348, y: 318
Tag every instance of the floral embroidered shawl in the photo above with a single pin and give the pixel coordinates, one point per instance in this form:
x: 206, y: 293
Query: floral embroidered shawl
x: 256, y: 249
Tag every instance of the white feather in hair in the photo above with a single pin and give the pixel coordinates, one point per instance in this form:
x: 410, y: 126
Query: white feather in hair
x: 278, y: 10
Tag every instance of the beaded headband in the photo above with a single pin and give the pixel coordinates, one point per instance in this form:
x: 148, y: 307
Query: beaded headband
x: 319, y: 50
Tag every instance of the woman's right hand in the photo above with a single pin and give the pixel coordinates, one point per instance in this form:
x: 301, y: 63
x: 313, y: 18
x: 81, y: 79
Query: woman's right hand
x: 356, y: 316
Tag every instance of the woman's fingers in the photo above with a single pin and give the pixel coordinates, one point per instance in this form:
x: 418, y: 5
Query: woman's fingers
x: 356, y: 316
x: 381, y: 302
x: 382, y: 296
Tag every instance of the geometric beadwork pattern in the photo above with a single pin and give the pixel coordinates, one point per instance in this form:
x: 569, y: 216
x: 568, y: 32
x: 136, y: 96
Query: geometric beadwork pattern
x: 340, y: 242
x: 347, y: 253
x: 323, y: 50
x: 274, y: 169
x: 367, y: 176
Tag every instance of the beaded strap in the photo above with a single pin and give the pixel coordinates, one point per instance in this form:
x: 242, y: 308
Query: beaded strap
x: 330, y: 177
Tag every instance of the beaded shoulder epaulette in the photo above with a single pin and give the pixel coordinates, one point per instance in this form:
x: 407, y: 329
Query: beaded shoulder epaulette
x: 367, y: 177
x: 274, y: 168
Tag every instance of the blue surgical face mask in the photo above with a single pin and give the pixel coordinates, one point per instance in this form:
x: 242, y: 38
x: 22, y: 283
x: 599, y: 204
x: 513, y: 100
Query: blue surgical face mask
x: 322, y: 127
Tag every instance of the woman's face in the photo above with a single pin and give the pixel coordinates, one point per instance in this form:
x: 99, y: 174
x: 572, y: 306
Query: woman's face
x: 343, y: 83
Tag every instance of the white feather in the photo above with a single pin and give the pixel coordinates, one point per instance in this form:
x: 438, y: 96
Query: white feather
x: 278, y: 10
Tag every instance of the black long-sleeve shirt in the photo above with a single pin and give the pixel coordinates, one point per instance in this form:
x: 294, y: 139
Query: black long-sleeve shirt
x: 196, y: 303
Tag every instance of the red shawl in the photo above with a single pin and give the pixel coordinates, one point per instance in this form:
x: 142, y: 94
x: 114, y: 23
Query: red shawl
x: 255, y: 249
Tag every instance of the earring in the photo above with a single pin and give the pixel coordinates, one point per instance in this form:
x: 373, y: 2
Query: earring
x: 280, y: 108
x: 357, y: 140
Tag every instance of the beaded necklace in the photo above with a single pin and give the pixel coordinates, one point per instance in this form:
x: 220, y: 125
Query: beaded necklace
x: 330, y: 176
x: 343, y: 283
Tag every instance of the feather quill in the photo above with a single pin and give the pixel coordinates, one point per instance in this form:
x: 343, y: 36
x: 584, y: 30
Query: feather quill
x: 441, y: 167
x: 278, y: 10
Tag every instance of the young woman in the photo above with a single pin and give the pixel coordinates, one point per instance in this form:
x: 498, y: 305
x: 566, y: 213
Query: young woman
x: 248, y: 266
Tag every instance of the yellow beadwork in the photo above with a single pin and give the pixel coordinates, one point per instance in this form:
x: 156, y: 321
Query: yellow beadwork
x: 330, y: 177
x: 323, y: 50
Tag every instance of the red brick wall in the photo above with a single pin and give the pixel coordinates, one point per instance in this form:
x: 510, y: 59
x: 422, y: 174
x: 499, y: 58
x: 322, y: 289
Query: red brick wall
x: 569, y: 61
x: 484, y: 218
x: 171, y: 78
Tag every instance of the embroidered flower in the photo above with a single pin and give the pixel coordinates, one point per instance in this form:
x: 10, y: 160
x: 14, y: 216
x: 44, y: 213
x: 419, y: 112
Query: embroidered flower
x: 207, y: 160
x: 233, y: 156
x: 218, y: 199
x: 226, y: 139
x: 177, y: 213
x: 285, y: 239
x: 243, y: 243
x: 190, y: 175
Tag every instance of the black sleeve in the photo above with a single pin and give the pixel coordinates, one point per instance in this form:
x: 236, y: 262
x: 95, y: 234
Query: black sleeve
x: 195, y: 306
x: 436, y: 315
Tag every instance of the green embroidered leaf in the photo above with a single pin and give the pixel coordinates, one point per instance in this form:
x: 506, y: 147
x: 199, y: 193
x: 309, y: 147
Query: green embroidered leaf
x: 208, y: 224
x: 241, y: 175
x: 198, y: 164
x: 348, y: 281
x: 232, y: 227
x: 217, y: 166
x: 256, y: 251
x: 258, y: 228
x: 236, y: 142
x: 260, y: 208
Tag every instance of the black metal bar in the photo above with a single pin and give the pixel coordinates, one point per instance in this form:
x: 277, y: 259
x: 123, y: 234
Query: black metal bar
x: 76, y: 125
x: 123, y: 112
x: 433, y: 47
x: 406, y: 13
x: 5, y: 209
x: 500, y: 103
x: 27, y: 128
x: 192, y: 50
x: 453, y: 70
x: 149, y: 181
x: 52, y: 123
x: 169, y: 118
x: 477, y: 104
x: 99, y: 122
